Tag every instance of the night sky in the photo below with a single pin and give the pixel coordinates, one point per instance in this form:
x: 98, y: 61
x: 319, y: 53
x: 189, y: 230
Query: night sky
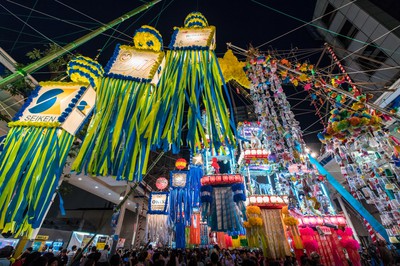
x: 242, y: 23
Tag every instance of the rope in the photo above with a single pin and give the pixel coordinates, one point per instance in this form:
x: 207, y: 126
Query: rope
x: 23, y: 27
x: 32, y: 28
x: 308, y: 23
x: 98, y: 21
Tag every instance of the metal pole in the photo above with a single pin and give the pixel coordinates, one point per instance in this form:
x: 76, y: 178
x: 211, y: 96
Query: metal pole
x: 23, y: 72
x: 348, y: 94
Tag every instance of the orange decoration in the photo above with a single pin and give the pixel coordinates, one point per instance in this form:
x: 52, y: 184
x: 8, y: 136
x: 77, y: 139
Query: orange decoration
x: 180, y: 163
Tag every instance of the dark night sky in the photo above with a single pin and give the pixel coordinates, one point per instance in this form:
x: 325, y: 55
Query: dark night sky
x: 239, y: 22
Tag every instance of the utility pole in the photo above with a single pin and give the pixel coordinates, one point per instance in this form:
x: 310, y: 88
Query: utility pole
x: 23, y: 72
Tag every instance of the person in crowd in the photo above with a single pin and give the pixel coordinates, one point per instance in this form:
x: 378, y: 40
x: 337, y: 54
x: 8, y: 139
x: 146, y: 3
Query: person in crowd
x: 115, y: 260
x: 40, y: 261
x: 103, y: 260
x: 5, y: 254
x: 157, y: 259
x: 63, y: 258
x: 71, y: 254
x: 44, y: 249
x: 90, y: 262
x: 54, y: 261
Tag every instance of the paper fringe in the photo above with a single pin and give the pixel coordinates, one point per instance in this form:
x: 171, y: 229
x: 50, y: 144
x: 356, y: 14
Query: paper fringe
x: 192, y: 76
x: 157, y: 229
x: 116, y: 143
x: 30, y: 168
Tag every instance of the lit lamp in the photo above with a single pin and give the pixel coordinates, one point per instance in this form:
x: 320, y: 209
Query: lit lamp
x: 180, y: 163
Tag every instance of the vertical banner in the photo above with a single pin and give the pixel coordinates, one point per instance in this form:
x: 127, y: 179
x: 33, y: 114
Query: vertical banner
x: 195, y: 229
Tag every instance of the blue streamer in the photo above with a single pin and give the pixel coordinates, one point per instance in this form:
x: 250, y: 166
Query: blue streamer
x: 62, y: 210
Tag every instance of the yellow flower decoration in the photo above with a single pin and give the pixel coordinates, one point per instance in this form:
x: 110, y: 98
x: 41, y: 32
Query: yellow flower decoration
x: 33, y: 124
x: 290, y: 221
x: 85, y: 70
x: 246, y: 224
x: 253, y: 210
x: 285, y: 210
x: 148, y: 38
x: 255, y: 221
x: 232, y: 69
x: 195, y: 20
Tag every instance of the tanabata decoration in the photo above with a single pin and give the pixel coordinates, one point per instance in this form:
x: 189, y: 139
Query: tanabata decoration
x: 223, y: 205
x: 117, y: 141
x: 180, y: 205
x: 347, y: 124
x: 37, y: 146
x: 232, y: 69
x: 254, y: 228
x: 157, y: 227
x: 192, y: 75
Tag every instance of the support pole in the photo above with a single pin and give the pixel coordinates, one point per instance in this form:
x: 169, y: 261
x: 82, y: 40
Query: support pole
x: 120, y: 222
x: 23, y: 72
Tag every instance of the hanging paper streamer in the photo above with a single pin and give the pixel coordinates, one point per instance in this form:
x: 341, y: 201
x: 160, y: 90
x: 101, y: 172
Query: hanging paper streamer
x: 36, y: 149
x: 192, y: 75
x: 196, y: 172
x: 157, y: 228
x: 203, y: 234
x: 180, y: 205
x: 116, y: 142
x: 223, y: 202
x: 195, y: 229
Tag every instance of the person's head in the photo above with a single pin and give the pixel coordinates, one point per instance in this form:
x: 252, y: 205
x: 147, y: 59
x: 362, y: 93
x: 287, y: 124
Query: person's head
x: 156, y: 256
x: 60, y: 249
x: 31, y: 257
x: 40, y: 261
x: 6, y: 251
x: 64, y: 251
x: 106, y: 247
x: 30, y: 249
x: 53, y: 262
x: 214, y: 258
x: 93, y: 249
x: 44, y: 248
x: 142, y: 256
x: 73, y: 247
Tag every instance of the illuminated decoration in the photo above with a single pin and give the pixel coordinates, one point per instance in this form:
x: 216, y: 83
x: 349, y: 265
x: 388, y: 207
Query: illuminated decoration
x: 161, y: 183
x: 197, y: 159
x: 256, y: 153
x: 181, y: 164
x: 85, y: 70
x: 113, y: 145
x: 222, y: 179
x: 312, y: 221
x: 272, y: 201
x: 180, y: 206
x: 36, y: 149
x: 157, y: 229
x: 223, y: 203
x: 193, y: 76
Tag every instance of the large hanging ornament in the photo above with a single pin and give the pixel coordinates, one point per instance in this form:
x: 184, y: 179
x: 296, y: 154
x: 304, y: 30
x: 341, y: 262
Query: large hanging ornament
x: 116, y: 142
x: 36, y: 149
x: 157, y: 226
x: 193, y: 76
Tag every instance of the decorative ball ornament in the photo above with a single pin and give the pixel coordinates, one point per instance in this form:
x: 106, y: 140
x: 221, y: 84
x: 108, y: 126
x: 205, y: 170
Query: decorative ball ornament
x: 85, y: 70
x: 180, y: 163
x: 195, y: 20
x: 148, y: 38
x: 161, y: 183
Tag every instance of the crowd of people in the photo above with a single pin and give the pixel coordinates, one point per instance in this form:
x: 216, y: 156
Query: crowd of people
x: 168, y: 257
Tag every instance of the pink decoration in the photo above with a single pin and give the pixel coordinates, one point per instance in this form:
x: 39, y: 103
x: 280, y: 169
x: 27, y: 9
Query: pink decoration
x: 161, y: 183
x: 310, y: 245
x: 349, y: 243
x: 308, y: 231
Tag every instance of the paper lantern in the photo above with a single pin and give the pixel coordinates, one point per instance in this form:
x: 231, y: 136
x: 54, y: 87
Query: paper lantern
x: 180, y: 163
x: 161, y: 183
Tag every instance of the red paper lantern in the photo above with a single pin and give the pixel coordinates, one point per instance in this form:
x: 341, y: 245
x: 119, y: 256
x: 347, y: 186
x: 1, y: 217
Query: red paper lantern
x: 161, y: 183
x: 180, y: 163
